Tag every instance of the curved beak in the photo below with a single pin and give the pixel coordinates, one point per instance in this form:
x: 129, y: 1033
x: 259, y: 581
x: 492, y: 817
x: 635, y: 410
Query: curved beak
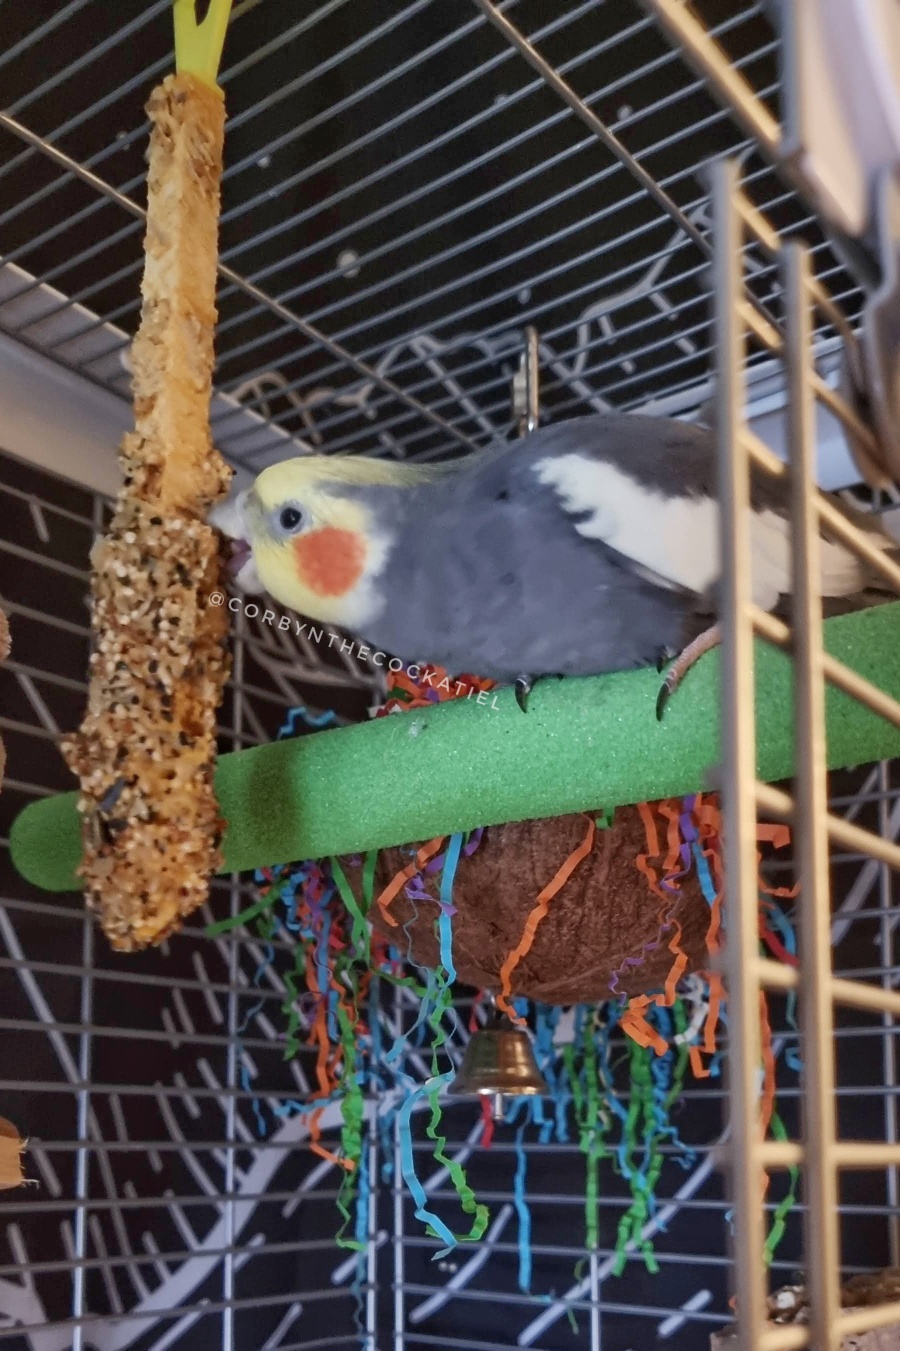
x: 230, y: 518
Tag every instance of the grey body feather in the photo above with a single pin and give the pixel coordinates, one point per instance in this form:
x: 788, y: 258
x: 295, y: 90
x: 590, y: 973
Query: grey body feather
x: 515, y: 594
x: 489, y: 574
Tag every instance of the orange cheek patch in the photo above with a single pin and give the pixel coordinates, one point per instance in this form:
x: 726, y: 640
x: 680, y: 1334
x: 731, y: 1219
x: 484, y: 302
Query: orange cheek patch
x: 330, y: 561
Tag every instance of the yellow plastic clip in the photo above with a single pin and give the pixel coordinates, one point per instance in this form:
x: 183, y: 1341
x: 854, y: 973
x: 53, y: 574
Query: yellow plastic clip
x: 198, y: 46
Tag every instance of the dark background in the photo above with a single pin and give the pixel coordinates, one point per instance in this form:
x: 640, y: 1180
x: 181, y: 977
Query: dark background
x: 136, y: 1048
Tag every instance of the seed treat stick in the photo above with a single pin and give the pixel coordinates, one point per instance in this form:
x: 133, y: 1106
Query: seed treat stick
x: 145, y: 752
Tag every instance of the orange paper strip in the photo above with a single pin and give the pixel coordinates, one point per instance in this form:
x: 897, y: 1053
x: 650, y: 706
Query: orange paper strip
x: 542, y: 905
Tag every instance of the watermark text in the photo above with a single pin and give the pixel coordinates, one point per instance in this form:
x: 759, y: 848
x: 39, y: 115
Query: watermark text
x: 348, y: 646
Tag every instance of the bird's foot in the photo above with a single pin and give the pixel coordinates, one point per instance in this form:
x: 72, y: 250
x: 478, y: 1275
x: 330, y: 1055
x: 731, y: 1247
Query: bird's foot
x: 707, y: 640
x: 524, y: 686
x: 526, y: 683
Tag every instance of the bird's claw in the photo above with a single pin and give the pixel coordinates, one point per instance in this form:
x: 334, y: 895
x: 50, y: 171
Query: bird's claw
x: 704, y: 642
x: 666, y: 654
x: 524, y: 685
x: 665, y: 693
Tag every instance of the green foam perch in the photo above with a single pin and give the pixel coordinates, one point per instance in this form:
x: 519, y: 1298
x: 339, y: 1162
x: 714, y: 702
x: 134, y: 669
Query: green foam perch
x: 584, y: 744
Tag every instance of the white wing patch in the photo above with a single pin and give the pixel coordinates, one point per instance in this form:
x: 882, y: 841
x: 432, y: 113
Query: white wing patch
x: 676, y: 539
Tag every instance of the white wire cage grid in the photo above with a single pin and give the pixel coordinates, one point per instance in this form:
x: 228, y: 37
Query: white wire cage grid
x: 384, y: 250
x: 165, y: 1191
x: 349, y: 338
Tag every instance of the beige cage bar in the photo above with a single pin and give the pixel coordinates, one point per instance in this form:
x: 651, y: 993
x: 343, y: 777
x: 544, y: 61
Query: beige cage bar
x: 821, y: 1154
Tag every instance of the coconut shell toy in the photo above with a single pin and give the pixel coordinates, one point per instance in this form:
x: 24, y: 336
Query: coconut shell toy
x: 606, y: 930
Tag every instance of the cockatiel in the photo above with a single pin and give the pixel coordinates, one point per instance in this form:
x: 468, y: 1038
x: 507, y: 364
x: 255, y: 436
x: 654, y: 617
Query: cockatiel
x: 589, y: 546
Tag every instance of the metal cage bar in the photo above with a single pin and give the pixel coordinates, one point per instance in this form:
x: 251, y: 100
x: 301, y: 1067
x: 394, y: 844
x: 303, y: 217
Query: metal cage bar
x: 739, y: 759
x: 57, y: 323
x: 822, y: 1235
x: 822, y: 1155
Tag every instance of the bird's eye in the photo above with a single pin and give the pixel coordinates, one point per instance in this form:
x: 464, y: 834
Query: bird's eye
x: 290, y: 518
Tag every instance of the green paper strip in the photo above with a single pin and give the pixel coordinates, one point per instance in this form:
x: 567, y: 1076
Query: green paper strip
x: 459, y: 765
x: 359, y: 934
x: 238, y: 921
x: 787, y: 1203
x: 457, y: 1173
x: 629, y: 1232
x: 442, y: 1005
x: 352, y: 1113
x: 368, y: 879
x: 590, y: 1138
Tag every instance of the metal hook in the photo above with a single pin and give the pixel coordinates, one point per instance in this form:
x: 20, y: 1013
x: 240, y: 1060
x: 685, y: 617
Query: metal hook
x: 526, y: 385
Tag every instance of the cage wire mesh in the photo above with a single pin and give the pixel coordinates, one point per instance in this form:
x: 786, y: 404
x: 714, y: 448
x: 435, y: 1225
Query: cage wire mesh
x: 404, y: 196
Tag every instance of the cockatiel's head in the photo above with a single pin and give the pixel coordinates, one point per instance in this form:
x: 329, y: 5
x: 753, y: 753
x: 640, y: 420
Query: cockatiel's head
x: 319, y: 529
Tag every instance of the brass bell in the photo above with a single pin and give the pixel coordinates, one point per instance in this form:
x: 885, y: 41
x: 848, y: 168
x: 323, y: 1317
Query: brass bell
x: 499, y: 1062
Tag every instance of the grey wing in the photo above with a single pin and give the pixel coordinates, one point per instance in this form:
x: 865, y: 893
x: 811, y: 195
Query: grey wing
x: 641, y: 489
x: 508, y: 586
x: 645, y: 489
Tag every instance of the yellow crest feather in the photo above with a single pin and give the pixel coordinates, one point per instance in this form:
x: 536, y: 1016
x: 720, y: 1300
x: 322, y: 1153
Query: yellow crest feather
x: 291, y: 477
